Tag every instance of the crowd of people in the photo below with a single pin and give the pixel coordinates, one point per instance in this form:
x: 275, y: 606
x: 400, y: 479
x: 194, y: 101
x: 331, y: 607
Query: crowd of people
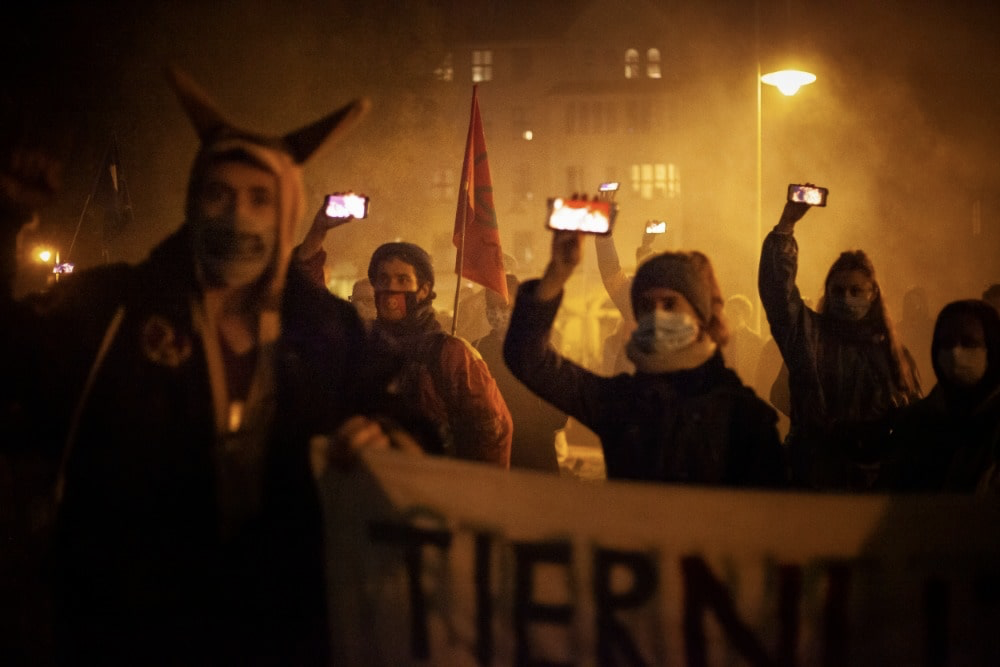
x: 186, y: 405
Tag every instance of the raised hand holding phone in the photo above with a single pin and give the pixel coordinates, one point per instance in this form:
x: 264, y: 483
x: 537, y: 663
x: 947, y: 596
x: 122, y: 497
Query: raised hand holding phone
x: 807, y: 193
x: 567, y: 251
x: 800, y: 199
x: 346, y: 205
x: 337, y: 209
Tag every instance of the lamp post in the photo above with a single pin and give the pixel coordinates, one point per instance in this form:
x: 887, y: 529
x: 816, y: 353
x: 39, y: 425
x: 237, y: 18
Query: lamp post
x: 787, y: 81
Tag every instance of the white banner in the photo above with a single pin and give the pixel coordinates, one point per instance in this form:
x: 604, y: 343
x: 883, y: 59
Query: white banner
x: 442, y: 562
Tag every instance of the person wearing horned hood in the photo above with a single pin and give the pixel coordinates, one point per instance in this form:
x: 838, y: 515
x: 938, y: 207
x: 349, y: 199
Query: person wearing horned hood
x: 682, y: 417
x: 183, y: 394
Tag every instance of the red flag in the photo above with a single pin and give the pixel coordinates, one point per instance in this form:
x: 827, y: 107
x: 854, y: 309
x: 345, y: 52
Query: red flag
x: 477, y: 235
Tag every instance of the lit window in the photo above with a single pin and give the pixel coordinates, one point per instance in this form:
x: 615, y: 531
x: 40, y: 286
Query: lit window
x: 482, y: 66
x: 673, y: 180
x: 656, y: 180
x: 653, y: 63
x: 631, y: 64
x: 445, y: 71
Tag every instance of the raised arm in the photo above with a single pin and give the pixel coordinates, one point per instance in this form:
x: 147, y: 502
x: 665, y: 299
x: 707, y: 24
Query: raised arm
x: 310, y: 254
x: 777, y: 272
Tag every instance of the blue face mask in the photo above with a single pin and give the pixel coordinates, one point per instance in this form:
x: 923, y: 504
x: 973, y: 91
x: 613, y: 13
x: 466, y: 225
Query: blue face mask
x: 663, y: 332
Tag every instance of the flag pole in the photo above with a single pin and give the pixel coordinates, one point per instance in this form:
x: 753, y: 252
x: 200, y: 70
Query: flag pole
x: 458, y: 286
x: 463, y: 205
x: 93, y: 191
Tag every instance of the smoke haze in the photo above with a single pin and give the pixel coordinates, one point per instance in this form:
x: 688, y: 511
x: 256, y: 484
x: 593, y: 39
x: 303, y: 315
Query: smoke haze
x: 900, y: 125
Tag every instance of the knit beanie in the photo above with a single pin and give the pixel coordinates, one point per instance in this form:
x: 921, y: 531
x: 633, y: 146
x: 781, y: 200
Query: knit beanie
x: 410, y: 253
x: 682, y: 272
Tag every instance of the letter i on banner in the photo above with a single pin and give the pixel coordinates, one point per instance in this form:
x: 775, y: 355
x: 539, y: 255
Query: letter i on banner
x: 477, y: 235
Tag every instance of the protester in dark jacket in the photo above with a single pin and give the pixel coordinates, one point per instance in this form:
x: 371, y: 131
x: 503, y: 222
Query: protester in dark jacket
x: 183, y: 394
x: 682, y: 417
x: 847, y: 371
x: 950, y: 440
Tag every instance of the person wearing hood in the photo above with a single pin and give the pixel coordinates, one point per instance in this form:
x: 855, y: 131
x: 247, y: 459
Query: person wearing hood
x: 848, y: 372
x: 950, y: 440
x: 182, y: 395
x: 682, y: 417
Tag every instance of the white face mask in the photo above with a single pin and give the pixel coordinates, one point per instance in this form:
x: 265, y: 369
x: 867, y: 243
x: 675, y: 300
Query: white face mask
x: 963, y: 365
x: 231, y: 257
x: 850, y: 307
x: 664, y: 332
x: 235, y: 223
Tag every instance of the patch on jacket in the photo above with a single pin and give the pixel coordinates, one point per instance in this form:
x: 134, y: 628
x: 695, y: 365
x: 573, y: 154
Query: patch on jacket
x: 162, y: 344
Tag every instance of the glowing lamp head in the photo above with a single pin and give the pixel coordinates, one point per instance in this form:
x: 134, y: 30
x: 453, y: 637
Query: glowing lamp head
x: 788, y: 81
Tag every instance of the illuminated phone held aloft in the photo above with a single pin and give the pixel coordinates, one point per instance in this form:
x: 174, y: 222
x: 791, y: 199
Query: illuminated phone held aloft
x: 580, y: 215
x: 807, y: 194
x: 349, y: 205
x: 656, y: 227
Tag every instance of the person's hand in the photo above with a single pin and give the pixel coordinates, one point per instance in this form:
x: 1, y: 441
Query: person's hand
x: 322, y: 218
x: 792, y: 213
x: 645, y: 248
x: 321, y: 224
x: 566, y: 255
x: 357, y: 434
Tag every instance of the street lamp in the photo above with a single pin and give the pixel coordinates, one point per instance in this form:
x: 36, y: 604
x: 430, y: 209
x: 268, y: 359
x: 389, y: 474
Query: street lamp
x: 788, y: 81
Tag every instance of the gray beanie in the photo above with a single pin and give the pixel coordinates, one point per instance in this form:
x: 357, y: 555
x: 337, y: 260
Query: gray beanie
x: 680, y: 271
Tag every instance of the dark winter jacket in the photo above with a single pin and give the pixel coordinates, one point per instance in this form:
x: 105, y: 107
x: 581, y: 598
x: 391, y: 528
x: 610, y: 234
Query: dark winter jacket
x: 697, y: 426
x: 144, y: 567
x: 840, y: 379
x: 937, y: 448
x: 950, y: 440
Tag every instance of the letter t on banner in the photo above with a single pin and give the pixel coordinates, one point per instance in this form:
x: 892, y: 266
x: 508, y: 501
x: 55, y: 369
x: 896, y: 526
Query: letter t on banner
x: 477, y: 235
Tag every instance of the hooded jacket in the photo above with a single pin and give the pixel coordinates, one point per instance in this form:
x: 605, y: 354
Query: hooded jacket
x: 950, y: 440
x: 188, y: 524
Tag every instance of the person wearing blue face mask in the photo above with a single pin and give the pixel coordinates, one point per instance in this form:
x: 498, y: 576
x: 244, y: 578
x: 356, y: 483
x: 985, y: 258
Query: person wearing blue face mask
x: 682, y: 417
x: 848, y: 372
